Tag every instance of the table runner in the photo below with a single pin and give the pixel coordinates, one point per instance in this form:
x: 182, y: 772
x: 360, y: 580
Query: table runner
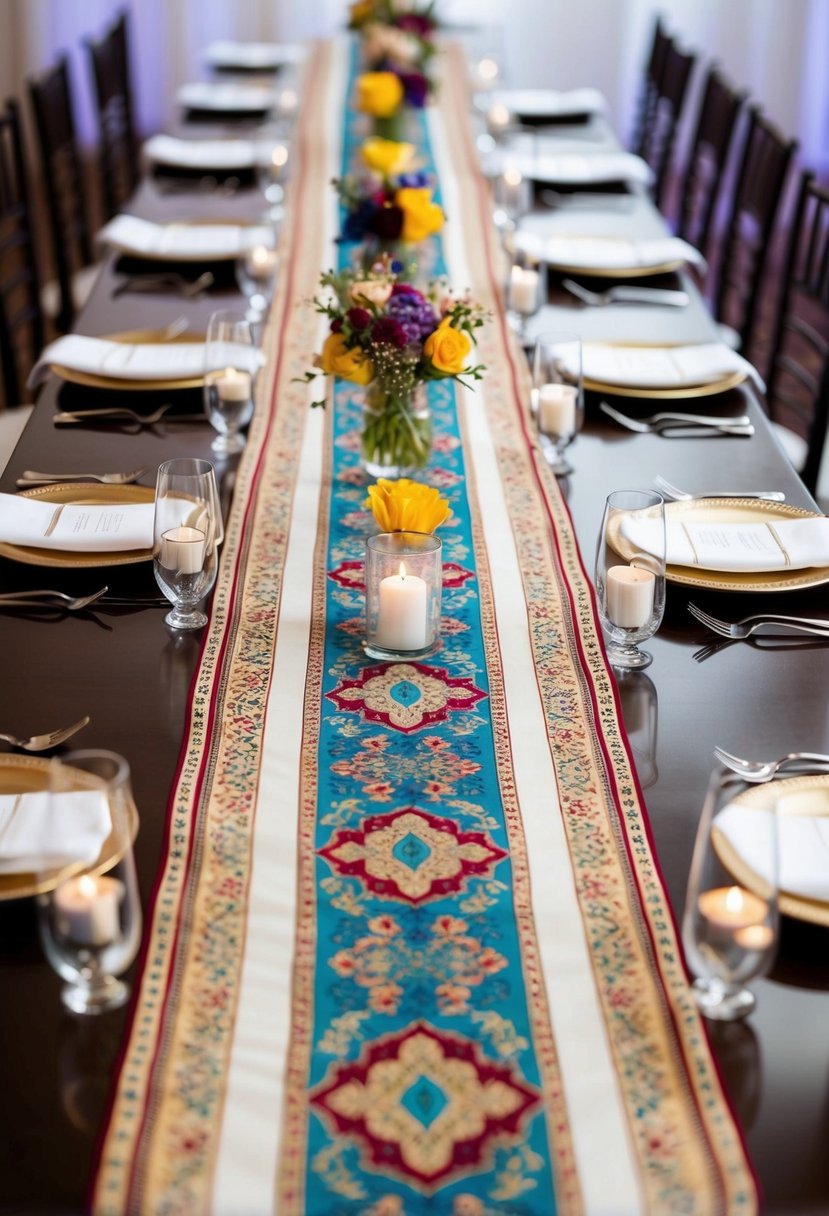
x: 408, y: 950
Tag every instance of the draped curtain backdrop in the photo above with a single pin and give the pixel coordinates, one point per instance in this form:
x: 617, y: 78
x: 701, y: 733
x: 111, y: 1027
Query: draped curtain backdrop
x: 777, y: 51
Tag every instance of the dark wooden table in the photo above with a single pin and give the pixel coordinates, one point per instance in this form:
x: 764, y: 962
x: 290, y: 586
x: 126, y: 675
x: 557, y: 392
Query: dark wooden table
x: 124, y: 668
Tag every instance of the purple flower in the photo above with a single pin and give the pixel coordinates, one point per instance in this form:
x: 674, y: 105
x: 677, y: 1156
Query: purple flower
x: 336, y: 325
x: 417, y: 180
x: 415, y: 88
x: 412, y: 311
x: 387, y: 223
x: 390, y: 332
x: 416, y: 23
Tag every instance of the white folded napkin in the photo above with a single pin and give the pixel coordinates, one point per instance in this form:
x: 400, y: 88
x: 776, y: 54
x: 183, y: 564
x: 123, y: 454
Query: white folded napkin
x: 43, y: 831
x: 610, y: 253
x: 94, y: 528
x: 664, y: 366
x: 803, y: 846
x: 219, y: 95
x: 253, y: 55
x: 547, y: 103
x: 779, y: 544
x: 200, y: 153
x: 125, y: 361
x: 577, y: 170
x: 169, y: 242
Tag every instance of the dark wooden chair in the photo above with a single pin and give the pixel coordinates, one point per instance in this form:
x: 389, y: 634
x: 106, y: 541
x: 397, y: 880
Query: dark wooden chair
x: 798, y: 392
x: 664, y: 89
x: 21, y: 320
x: 711, y: 142
x: 651, y: 82
x: 119, y: 164
x: 62, y: 175
x: 752, y: 214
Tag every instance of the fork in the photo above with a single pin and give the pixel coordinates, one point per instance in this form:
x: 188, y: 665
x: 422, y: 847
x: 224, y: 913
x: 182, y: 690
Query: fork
x: 190, y: 289
x: 750, y: 624
x: 657, y: 423
x: 120, y: 412
x: 624, y: 293
x: 42, y: 743
x: 30, y: 477
x: 758, y: 770
x: 670, y: 491
x: 49, y: 599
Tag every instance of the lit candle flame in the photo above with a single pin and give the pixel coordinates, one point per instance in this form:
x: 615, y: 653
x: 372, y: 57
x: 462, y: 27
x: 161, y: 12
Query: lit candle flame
x: 512, y: 176
x: 279, y: 156
x: 734, y: 899
x: 402, y: 569
x: 87, y: 885
x: 488, y: 69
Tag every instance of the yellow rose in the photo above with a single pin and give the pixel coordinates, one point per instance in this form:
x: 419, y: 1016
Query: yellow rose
x: 386, y: 156
x: 406, y: 506
x: 350, y: 364
x: 448, y: 348
x: 379, y: 93
x: 421, y: 217
x: 360, y: 12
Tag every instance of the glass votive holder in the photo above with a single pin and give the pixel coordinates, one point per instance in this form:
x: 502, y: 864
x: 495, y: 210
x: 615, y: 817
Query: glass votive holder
x: 525, y: 292
x: 512, y: 192
x: 90, y: 919
x: 404, y: 581
x: 558, y: 395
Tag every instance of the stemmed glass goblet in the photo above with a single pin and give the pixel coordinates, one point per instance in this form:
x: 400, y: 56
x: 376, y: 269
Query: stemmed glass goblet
x: 90, y: 920
x: 185, y: 538
x: 558, y: 395
x: 630, y: 574
x: 730, y: 922
x: 231, y: 360
x: 256, y: 270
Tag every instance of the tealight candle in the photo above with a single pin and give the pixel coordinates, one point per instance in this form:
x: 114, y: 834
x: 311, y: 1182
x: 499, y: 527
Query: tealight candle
x: 755, y: 937
x: 733, y: 908
x: 511, y: 190
x: 182, y: 549
x: 402, y: 620
x: 232, y: 385
x: 278, y: 160
x: 487, y: 72
x: 630, y: 593
x: 523, y: 290
x: 557, y: 409
x: 87, y: 909
x: 260, y: 262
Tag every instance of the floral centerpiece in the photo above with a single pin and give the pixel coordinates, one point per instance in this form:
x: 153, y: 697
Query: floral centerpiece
x: 386, y: 92
x: 393, y: 339
x: 389, y: 200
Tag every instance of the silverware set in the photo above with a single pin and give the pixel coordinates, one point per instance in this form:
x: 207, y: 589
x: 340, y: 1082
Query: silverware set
x: 122, y: 413
x: 50, y: 600
x: 207, y: 184
x: 624, y: 293
x: 765, y: 770
x: 669, y: 421
x: 169, y: 282
x: 672, y: 492
x: 737, y: 631
x: 32, y: 478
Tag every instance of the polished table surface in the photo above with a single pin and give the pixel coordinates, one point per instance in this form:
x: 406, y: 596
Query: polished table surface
x: 125, y: 669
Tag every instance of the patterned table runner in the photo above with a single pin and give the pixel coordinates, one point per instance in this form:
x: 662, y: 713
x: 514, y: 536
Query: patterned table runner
x: 408, y: 950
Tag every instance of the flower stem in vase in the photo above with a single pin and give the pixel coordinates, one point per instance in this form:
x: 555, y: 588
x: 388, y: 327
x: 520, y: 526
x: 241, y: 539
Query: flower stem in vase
x: 397, y: 431
x: 392, y: 126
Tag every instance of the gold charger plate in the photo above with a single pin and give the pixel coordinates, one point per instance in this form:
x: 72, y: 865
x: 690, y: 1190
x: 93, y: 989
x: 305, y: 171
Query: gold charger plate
x: 134, y: 337
x: 762, y: 798
x: 81, y: 494
x: 667, y: 394
x: 734, y: 511
x: 27, y: 774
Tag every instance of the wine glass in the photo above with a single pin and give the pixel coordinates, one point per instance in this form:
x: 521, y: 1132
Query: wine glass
x: 184, y: 538
x: 730, y: 922
x: 256, y: 269
x: 558, y: 395
x: 630, y: 574
x: 525, y: 292
x: 273, y: 158
x: 230, y: 357
x: 90, y: 921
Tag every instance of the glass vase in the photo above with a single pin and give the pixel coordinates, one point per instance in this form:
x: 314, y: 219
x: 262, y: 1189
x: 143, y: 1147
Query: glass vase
x: 397, y: 431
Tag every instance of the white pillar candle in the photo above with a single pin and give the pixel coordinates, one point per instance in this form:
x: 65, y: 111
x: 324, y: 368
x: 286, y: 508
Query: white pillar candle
x: 498, y: 119
x: 523, y: 290
x: 182, y: 549
x: 557, y: 409
x: 402, y: 617
x: 733, y: 908
x: 630, y: 592
x: 232, y: 385
x: 260, y: 263
x: 87, y: 909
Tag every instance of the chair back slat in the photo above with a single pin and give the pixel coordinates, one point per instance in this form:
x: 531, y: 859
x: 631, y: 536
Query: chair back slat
x: 21, y: 321
x: 707, y: 158
x: 120, y: 173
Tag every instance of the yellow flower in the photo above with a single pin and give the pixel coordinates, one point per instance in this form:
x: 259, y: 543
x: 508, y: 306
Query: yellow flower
x: 421, y: 217
x: 350, y: 364
x: 379, y: 93
x: 448, y: 348
x: 360, y: 12
x: 406, y: 506
x: 386, y: 156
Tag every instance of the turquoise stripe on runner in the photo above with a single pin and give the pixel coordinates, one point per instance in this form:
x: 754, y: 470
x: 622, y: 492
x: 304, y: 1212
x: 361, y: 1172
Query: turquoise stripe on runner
x: 424, y: 1086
